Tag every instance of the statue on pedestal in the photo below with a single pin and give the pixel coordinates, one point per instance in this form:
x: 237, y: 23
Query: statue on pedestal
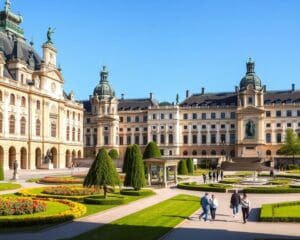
x: 49, y: 35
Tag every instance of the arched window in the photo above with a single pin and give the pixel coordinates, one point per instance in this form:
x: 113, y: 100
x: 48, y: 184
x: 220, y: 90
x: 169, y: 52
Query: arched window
x: 23, y: 126
x: 78, y: 135
x: 12, y: 99
x: 53, y: 129
x: 68, y: 133
x: 38, y: 127
x: 1, y: 99
x: 203, y: 152
x: 73, y: 134
x: 194, y: 152
x: 213, y: 152
x: 23, y: 102
x: 185, y: 153
x: 268, y: 153
x: 223, y: 153
x: 1, y: 123
x: 12, y: 123
x: 38, y: 105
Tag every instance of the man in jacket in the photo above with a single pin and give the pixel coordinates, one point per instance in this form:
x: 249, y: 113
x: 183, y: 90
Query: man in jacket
x: 204, y: 202
x: 235, y: 202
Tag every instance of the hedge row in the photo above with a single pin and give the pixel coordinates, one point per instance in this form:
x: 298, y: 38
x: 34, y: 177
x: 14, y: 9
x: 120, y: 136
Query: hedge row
x: 204, y: 187
x: 142, y: 192
x: 76, y: 210
x: 281, y: 175
x: 102, y: 201
x: 281, y: 189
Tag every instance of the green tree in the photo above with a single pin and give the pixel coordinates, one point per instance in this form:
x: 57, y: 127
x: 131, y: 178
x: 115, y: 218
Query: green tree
x: 113, y: 153
x: 1, y: 173
x: 151, y: 151
x: 127, y: 157
x: 291, y: 145
x: 135, y: 175
x: 182, y: 168
x: 190, y: 165
x: 102, y: 173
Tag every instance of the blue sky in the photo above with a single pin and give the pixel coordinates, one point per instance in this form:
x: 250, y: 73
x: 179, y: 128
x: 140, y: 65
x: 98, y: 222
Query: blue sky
x: 168, y: 46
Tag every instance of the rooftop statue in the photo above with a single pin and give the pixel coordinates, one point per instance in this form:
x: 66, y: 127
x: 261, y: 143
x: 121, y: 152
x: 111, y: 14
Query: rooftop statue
x: 49, y: 35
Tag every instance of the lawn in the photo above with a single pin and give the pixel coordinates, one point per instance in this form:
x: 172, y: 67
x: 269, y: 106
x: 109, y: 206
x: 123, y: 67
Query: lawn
x: 9, y: 186
x: 281, y: 212
x: 148, y: 224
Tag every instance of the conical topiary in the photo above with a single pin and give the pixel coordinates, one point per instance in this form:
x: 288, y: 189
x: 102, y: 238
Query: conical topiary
x: 182, y: 168
x: 113, y: 153
x: 126, y: 159
x: 190, y: 165
x: 151, y: 151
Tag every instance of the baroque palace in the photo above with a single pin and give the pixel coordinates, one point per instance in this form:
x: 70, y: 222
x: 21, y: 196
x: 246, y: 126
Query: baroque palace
x: 249, y: 122
x: 37, y: 117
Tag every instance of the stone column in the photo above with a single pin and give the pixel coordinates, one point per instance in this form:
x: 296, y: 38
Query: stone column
x: 165, y: 176
x: 149, y: 175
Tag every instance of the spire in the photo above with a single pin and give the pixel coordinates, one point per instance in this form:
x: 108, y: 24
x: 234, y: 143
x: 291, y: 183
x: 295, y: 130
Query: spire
x: 103, y: 75
x: 250, y: 66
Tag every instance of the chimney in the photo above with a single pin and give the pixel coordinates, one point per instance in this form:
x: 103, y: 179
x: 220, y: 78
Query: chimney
x: 187, y: 93
x: 293, y: 87
x: 236, y: 89
x: 151, y: 95
x: 122, y: 96
x: 202, y: 91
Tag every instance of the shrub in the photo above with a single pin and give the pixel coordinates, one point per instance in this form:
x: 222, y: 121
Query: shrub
x: 182, y: 168
x: 151, y: 151
x: 279, y: 181
x: 204, y: 187
x: 111, y: 200
x: 293, y: 167
x: 113, y: 153
x: 20, y: 206
x: 279, y: 189
x: 142, y: 192
x: 1, y: 173
x: 230, y: 181
x: 190, y: 165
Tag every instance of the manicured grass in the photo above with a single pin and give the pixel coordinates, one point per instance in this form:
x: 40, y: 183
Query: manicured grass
x: 9, y: 186
x: 230, y: 181
x: 239, y: 174
x: 280, y: 181
x: 148, y: 224
x: 295, y: 171
x: 281, y: 212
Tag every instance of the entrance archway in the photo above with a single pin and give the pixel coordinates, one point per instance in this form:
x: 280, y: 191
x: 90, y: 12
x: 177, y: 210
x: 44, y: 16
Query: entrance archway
x: 38, y: 158
x: 68, y: 159
x: 54, y: 157
x: 79, y: 154
x: 23, y: 158
x: 11, y: 157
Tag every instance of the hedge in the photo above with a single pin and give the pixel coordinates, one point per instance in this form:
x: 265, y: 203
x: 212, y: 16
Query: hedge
x: 142, y: 192
x: 204, y: 187
x: 281, y: 189
x: 110, y: 200
x: 279, y: 181
x: 281, y: 175
x: 230, y: 181
x: 267, y: 212
x: 76, y: 210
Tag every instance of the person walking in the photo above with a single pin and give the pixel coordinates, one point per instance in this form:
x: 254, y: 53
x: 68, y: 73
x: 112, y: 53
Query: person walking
x: 222, y: 175
x: 214, y: 176
x: 204, y: 202
x: 218, y: 174
x: 209, y: 176
x: 204, y: 178
x: 245, y: 204
x: 235, y: 202
x: 213, y: 206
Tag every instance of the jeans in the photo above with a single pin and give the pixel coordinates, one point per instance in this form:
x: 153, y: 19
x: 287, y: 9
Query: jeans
x: 235, y: 209
x: 204, y: 213
x: 245, y: 212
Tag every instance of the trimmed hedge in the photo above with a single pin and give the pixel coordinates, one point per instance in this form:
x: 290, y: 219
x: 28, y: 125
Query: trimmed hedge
x: 279, y: 181
x: 76, y: 210
x: 230, y: 181
x: 142, y: 192
x: 268, y: 211
x: 281, y: 189
x: 110, y: 200
x: 204, y: 187
x: 281, y: 175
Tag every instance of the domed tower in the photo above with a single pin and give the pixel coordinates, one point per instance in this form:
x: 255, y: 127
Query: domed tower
x: 250, y: 114
x: 104, y: 109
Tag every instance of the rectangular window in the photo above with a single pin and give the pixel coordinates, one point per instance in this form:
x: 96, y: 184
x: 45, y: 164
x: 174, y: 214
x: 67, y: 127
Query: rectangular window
x: 232, y: 126
x: 121, y: 119
x: 278, y: 125
x: 185, y: 116
x: 137, y: 119
x: 268, y: 114
x: 278, y: 137
x: 203, y: 139
x: 278, y: 113
x: 194, y: 127
x: 222, y: 126
x: 213, y: 126
x: 145, y: 140
x: 128, y: 129
x: 203, y: 126
x: 203, y: 116
x: 128, y: 119
x: 88, y: 120
x: 298, y: 113
x: 162, y: 116
x: 194, y: 115
x: 222, y: 115
x: 162, y: 139
x: 88, y: 140
x: 195, y: 139
x: 185, y: 127
x: 95, y: 139
x: 232, y: 115
x: 105, y: 140
x: 268, y: 138
x: 128, y: 140
x: 121, y: 141
x: 137, y: 139
x: 137, y: 129
x: 154, y: 138
x: 170, y: 116
x: 268, y: 125
x: 289, y: 113
x: 213, y: 139
x: 154, y: 116
x: 145, y: 129
x: 185, y: 139
x: 223, y: 138
x: 232, y: 138
x: 145, y: 118
x: 289, y: 125
x: 213, y: 115
x: 170, y: 138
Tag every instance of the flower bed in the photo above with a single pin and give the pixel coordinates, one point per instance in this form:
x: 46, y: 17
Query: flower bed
x: 280, y: 212
x: 142, y: 192
x: 204, y: 187
x: 71, y: 191
x: 58, y: 210
x: 61, y: 180
x: 110, y: 200
x: 20, y: 206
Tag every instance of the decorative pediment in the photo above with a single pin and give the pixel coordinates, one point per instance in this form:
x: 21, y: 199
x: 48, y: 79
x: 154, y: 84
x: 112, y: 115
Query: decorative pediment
x: 106, y: 119
x: 250, y: 110
x: 54, y: 74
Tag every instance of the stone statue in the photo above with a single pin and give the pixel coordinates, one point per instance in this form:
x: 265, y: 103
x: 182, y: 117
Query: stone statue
x: 48, y: 157
x: 250, y: 129
x: 49, y: 35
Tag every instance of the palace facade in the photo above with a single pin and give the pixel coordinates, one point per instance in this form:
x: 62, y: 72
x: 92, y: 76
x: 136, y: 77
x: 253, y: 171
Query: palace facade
x: 249, y: 122
x: 36, y: 116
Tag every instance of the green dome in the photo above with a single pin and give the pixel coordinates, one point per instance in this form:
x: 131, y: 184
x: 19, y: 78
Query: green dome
x: 103, y: 89
x: 251, y: 77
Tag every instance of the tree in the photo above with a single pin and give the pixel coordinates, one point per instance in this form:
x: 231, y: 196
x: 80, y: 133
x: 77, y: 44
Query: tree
x: 190, y: 165
x: 135, y: 175
x: 126, y: 161
x: 291, y: 145
x: 102, y: 173
x: 151, y: 151
x: 113, y: 153
x: 1, y: 173
x: 182, y: 168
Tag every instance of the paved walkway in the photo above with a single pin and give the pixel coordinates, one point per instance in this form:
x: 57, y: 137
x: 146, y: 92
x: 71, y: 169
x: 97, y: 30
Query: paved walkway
x: 227, y: 227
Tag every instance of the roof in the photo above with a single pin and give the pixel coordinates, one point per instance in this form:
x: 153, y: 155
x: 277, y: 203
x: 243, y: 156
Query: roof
x: 211, y: 99
x: 244, y: 166
x: 284, y: 96
x: 87, y: 105
x: 136, y: 104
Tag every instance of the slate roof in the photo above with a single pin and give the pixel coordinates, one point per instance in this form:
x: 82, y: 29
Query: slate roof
x: 284, y: 96
x: 136, y: 104
x: 87, y: 105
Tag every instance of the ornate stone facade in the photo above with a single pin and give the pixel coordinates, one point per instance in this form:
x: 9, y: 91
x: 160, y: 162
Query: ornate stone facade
x: 36, y: 114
